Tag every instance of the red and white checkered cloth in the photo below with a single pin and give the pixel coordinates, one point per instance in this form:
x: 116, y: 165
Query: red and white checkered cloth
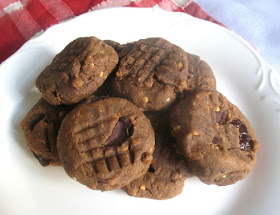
x: 22, y: 19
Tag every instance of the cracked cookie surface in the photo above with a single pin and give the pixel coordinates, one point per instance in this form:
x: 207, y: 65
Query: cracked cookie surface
x: 167, y: 173
x: 106, y: 143
x: 77, y: 71
x: 40, y: 127
x: 215, y: 137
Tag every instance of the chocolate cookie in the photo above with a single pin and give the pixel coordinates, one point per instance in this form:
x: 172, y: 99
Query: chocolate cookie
x: 114, y: 44
x: 201, y: 74
x: 76, y: 72
x: 40, y: 127
x: 105, y: 144
x: 215, y: 137
x: 168, y: 170
x: 151, y: 73
x: 124, y: 49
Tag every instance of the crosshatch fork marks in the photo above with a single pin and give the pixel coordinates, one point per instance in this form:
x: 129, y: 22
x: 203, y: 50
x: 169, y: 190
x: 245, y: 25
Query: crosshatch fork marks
x: 94, y: 134
x: 96, y: 124
x: 149, y: 67
x: 143, y: 67
x: 122, y: 158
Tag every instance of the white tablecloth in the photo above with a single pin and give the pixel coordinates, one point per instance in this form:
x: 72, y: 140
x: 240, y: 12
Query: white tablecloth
x: 257, y: 21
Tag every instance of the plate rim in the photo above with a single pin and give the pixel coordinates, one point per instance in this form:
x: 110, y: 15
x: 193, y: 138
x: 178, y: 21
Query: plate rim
x: 254, y: 52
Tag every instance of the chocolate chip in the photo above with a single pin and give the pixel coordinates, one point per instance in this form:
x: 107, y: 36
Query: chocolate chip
x: 54, y: 94
x: 245, y: 140
x: 43, y: 161
x: 221, y: 117
x: 216, y: 140
x: 121, y: 132
x: 151, y: 169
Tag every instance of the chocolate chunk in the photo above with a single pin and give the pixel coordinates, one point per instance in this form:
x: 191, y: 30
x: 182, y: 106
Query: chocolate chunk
x: 245, y: 140
x: 121, y: 132
x: 43, y: 161
x: 151, y: 169
x: 221, y: 117
x: 216, y: 140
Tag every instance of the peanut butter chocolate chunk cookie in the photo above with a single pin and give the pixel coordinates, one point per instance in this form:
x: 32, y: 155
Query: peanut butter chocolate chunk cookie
x: 215, y: 137
x: 76, y: 72
x: 114, y: 44
x: 124, y: 49
x: 151, y: 72
x: 105, y: 144
x: 201, y: 74
x: 40, y: 127
x: 168, y: 170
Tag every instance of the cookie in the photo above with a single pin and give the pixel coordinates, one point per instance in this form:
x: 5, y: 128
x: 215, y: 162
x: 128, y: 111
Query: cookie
x: 117, y: 46
x: 124, y: 49
x: 215, y: 137
x: 40, y: 127
x: 168, y: 170
x: 151, y: 73
x: 201, y: 74
x: 106, y: 143
x: 77, y: 71
x: 106, y: 88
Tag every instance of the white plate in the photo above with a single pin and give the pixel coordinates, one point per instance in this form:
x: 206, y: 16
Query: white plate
x: 242, y: 76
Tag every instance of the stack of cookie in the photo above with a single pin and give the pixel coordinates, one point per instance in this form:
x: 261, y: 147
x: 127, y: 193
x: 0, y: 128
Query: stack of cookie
x: 143, y: 117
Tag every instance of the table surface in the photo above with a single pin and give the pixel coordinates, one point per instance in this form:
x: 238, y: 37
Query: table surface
x: 257, y: 21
